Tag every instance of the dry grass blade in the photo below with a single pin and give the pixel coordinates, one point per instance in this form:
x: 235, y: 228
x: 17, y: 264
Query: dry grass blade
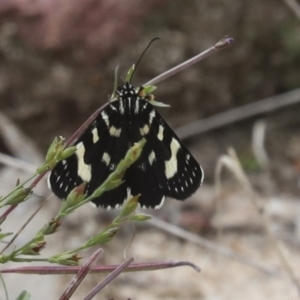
x: 232, y: 163
x: 76, y: 281
x: 108, y: 279
x: 51, y: 270
x: 258, y: 143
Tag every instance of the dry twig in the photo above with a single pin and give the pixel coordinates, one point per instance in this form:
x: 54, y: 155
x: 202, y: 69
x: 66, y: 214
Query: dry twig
x: 294, y: 6
x: 239, y: 114
x: 193, y: 238
x: 108, y: 279
x: 54, y: 270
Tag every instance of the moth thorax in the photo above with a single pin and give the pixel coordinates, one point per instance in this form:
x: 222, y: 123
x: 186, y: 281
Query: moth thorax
x: 131, y: 105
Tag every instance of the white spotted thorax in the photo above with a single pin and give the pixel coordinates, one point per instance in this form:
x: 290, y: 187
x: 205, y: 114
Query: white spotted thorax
x: 165, y: 167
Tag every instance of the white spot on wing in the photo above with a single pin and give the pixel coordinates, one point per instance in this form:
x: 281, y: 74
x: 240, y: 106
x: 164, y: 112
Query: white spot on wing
x: 95, y: 135
x: 151, y: 117
x: 160, y: 134
x: 151, y: 158
x: 112, y: 107
x: 144, y: 130
x: 105, y: 118
x: 202, y: 175
x: 171, y: 164
x: 84, y: 170
x: 106, y: 158
x: 113, y: 131
x: 161, y: 203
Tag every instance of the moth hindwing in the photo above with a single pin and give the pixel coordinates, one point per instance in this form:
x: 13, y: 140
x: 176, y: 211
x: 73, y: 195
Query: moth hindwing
x: 165, y: 167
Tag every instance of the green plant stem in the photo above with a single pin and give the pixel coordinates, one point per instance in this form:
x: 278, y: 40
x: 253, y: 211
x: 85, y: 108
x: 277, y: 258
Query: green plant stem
x: 23, y: 259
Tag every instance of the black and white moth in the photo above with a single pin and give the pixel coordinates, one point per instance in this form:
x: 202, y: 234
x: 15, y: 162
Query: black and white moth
x: 164, y: 169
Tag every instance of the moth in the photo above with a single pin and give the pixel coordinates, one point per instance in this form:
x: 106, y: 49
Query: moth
x: 165, y: 167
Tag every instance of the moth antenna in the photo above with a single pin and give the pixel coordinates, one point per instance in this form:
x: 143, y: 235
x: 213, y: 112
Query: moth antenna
x: 139, y: 60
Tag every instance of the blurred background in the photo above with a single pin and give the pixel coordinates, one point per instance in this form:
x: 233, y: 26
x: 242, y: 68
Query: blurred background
x: 57, y: 64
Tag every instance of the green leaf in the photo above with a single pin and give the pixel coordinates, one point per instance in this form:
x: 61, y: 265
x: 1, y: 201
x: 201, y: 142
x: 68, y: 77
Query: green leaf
x: 101, y: 238
x: 3, y: 235
x: 35, y: 247
x: 148, y: 89
x: 129, y: 207
x: 52, y: 150
x: 68, y: 152
x: 24, y: 296
x: 140, y: 218
x: 55, y: 149
x: 158, y: 104
x: 66, y: 259
x: 113, y: 184
x: 50, y: 228
x: 76, y: 196
x: 113, y: 95
x: 5, y: 258
x: 18, y: 196
x: 129, y: 74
